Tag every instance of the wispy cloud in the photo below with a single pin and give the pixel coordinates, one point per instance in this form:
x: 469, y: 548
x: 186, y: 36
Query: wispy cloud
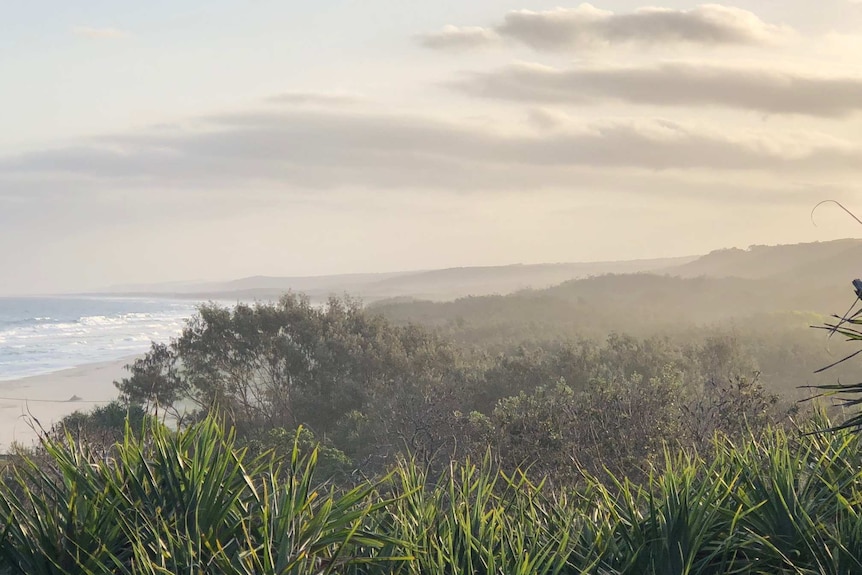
x: 584, y: 27
x: 315, y: 99
x: 100, y: 33
x: 459, y: 38
x: 319, y: 149
x: 674, y: 84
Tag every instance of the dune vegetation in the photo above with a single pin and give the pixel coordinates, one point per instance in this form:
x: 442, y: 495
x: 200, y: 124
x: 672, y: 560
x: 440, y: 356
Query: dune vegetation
x: 194, y: 502
x: 295, y: 438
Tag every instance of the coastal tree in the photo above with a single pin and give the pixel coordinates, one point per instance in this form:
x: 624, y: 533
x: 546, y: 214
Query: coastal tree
x: 334, y: 368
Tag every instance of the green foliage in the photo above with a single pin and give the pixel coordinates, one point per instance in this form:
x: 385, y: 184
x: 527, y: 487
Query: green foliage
x: 333, y: 369
x: 764, y: 323
x: 736, y: 408
x: 185, y: 502
x: 637, y: 304
x: 101, y: 427
x: 369, y: 390
x: 332, y: 463
x: 615, y: 427
x: 190, y: 502
x: 849, y: 395
x: 544, y: 446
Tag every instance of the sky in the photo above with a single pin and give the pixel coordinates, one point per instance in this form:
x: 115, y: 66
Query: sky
x: 156, y: 141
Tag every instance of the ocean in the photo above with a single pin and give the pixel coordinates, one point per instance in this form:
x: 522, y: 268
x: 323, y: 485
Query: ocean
x: 41, y: 335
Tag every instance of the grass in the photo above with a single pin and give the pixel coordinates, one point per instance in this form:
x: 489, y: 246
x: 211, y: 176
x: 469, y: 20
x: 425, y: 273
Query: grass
x: 192, y: 503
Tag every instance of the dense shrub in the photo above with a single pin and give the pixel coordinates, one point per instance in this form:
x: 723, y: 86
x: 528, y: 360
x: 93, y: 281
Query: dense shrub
x: 370, y: 390
x: 190, y: 502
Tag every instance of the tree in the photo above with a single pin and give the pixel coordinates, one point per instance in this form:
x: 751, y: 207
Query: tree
x: 281, y: 363
x: 618, y: 426
x: 737, y: 407
x: 335, y: 369
x: 102, y: 427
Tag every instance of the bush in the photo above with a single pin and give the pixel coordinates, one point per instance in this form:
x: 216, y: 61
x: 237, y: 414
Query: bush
x: 190, y: 502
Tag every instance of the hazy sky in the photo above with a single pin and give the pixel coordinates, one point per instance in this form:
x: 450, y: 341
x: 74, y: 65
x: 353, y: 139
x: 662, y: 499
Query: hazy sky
x: 190, y: 140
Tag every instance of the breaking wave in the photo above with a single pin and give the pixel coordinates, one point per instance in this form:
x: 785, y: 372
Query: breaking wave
x: 42, y: 335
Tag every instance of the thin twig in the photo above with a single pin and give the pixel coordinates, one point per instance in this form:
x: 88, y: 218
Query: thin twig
x: 837, y: 203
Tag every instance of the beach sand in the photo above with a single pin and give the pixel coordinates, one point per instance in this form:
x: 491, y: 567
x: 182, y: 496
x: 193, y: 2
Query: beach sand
x: 46, y: 399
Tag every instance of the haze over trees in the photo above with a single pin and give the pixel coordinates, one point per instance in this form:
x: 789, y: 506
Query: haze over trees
x: 371, y: 389
x: 665, y: 416
x: 595, y: 374
x: 616, y: 424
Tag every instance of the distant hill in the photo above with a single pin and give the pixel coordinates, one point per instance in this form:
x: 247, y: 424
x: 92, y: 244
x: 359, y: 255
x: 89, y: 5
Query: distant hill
x: 262, y: 284
x: 434, y: 285
x: 722, y: 284
x: 810, y: 268
x: 766, y: 296
x: 830, y: 261
x: 458, y: 282
x: 632, y: 303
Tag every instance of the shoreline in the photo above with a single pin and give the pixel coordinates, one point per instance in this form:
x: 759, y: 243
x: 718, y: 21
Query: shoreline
x: 35, y: 401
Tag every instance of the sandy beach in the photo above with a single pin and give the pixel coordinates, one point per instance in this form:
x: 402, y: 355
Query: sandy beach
x: 48, y: 398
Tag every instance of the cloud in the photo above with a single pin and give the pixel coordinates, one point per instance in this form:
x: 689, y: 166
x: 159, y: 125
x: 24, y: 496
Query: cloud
x: 543, y: 119
x: 314, y: 99
x: 586, y: 27
x: 459, y: 38
x: 99, y: 33
x: 325, y: 149
x: 674, y: 84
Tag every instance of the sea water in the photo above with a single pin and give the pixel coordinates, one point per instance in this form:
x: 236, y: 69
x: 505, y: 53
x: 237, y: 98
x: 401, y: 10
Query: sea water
x: 41, y: 335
